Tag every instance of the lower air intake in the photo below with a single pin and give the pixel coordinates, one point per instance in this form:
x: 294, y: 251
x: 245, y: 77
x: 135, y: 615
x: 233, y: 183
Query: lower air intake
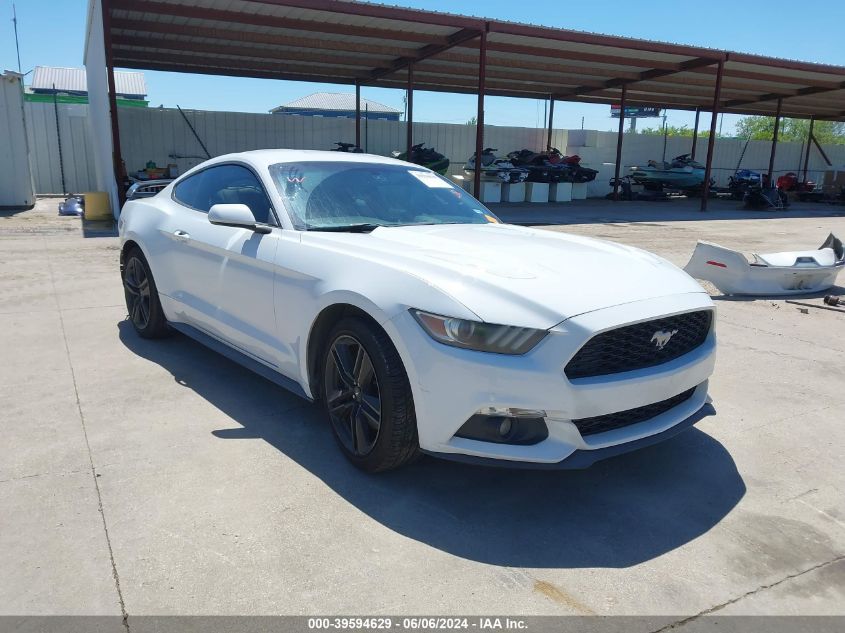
x: 603, y: 423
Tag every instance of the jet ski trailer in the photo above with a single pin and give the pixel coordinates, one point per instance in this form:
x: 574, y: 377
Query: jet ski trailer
x: 787, y: 273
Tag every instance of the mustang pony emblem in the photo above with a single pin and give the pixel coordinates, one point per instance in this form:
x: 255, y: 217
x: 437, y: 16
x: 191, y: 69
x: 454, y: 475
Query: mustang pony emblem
x: 661, y: 338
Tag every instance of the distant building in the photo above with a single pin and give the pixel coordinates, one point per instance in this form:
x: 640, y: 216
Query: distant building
x: 70, y: 85
x: 335, y: 104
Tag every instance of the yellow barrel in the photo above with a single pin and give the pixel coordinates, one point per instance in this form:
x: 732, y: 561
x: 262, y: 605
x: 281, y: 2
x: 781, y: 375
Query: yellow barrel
x: 97, y: 206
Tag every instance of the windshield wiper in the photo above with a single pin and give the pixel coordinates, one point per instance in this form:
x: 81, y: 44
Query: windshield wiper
x: 347, y: 228
x: 366, y: 227
x: 434, y: 223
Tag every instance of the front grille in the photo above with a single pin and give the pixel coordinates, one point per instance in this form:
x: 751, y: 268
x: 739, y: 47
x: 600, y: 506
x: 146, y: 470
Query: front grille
x: 636, y: 346
x: 602, y: 423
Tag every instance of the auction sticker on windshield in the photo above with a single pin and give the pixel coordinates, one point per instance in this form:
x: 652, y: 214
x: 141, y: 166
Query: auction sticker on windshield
x: 430, y: 179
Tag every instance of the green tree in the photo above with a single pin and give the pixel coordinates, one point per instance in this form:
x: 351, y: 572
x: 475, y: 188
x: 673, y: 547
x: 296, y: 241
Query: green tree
x: 762, y: 128
x: 673, y: 130
x: 473, y: 121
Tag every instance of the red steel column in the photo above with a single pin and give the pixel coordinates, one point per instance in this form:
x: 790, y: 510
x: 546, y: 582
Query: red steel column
x: 711, y: 142
x: 774, y: 142
x: 619, y: 142
x: 695, y: 133
x: 115, y: 128
x: 410, y: 118
x: 357, y: 114
x: 809, y: 140
x: 551, y: 121
x: 479, y: 117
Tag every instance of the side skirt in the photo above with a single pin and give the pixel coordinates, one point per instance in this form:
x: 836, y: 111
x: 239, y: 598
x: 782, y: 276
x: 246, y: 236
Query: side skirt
x: 241, y: 359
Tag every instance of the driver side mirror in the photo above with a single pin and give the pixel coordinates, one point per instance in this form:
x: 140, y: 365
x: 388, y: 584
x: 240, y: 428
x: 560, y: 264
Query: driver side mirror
x: 235, y: 215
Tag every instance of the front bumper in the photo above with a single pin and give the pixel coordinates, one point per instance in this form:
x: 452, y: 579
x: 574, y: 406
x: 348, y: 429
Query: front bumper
x: 450, y: 385
x: 584, y: 458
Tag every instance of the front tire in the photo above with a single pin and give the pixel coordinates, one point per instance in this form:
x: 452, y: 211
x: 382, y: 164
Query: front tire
x: 142, y: 302
x: 367, y: 397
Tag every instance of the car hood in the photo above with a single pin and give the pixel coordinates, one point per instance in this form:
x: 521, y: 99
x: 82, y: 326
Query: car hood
x: 517, y: 275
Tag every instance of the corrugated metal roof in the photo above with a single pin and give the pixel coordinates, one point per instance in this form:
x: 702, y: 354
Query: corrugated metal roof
x: 336, y: 101
x: 344, y: 42
x: 75, y: 80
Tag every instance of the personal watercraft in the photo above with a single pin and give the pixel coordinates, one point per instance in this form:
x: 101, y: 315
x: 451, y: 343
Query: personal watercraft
x: 572, y: 171
x: 552, y: 166
x: 742, y: 181
x: 495, y: 168
x: 425, y: 156
x: 682, y: 173
x: 347, y: 147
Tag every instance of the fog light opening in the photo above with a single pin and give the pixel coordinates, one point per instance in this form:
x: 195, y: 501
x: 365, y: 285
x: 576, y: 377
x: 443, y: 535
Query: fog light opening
x: 499, y: 429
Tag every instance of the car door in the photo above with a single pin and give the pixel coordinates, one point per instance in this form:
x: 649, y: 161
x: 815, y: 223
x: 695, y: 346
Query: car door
x: 224, y: 281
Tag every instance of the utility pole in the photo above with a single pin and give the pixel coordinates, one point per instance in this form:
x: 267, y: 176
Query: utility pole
x: 17, y: 46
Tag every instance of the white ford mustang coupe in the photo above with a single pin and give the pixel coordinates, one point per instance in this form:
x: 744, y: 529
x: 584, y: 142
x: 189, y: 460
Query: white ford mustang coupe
x: 420, y: 321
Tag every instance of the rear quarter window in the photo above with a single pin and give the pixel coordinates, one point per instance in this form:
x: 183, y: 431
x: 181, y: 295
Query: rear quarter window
x: 186, y: 191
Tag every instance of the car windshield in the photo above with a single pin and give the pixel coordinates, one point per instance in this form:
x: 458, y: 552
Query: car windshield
x: 361, y: 196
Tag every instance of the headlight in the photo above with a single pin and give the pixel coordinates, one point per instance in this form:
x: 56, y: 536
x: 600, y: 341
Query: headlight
x: 483, y: 337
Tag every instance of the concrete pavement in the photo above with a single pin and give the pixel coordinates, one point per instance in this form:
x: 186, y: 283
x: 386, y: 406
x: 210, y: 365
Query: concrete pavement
x: 155, y: 477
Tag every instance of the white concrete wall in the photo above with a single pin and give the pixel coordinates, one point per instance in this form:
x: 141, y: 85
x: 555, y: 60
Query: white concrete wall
x: 154, y: 134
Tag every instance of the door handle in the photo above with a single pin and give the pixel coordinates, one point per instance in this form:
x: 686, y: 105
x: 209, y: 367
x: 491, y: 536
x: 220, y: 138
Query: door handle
x: 181, y: 235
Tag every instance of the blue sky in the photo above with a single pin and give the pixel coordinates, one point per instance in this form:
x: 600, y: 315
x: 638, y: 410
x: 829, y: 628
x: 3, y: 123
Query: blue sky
x: 52, y: 34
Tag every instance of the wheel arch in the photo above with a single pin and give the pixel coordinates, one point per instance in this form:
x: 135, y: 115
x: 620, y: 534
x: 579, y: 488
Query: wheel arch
x: 320, y: 328
x: 127, y: 246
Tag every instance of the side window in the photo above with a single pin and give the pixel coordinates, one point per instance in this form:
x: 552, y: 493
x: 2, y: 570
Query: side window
x: 224, y: 184
x: 186, y: 191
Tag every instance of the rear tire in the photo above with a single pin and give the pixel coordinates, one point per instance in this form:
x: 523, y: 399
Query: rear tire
x: 142, y: 302
x: 367, y: 397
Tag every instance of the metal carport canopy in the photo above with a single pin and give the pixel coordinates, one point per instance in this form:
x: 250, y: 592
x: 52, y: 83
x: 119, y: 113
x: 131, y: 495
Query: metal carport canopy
x: 338, y: 41
x: 344, y: 42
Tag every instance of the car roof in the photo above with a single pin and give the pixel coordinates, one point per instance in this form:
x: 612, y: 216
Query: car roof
x: 266, y: 157
x: 260, y: 159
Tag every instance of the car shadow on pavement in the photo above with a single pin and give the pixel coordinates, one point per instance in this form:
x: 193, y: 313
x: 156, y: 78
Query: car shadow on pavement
x: 618, y: 513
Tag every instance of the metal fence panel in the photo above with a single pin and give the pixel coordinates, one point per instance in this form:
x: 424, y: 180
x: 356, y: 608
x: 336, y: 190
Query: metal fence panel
x: 161, y: 135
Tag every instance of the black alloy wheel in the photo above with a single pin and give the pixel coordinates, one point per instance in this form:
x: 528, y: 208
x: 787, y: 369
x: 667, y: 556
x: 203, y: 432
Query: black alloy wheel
x: 367, y: 396
x: 142, y: 302
x: 353, y: 396
x: 136, y: 287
